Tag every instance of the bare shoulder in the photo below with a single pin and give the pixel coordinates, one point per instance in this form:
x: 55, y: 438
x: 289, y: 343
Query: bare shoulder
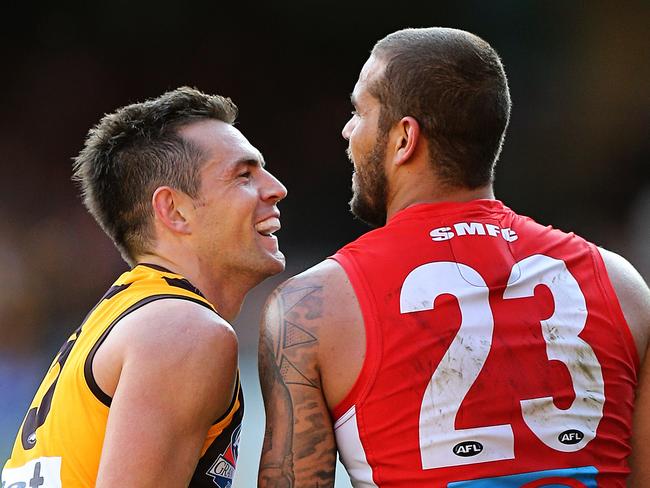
x: 299, y: 305
x: 169, y: 343
x: 320, y: 299
x: 178, y: 326
x: 326, y: 281
x: 314, y: 321
x: 633, y: 295
x: 176, y: 361
x: 325, y: 273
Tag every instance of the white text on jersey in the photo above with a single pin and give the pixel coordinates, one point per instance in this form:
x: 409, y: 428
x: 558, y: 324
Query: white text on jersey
x: 472, y: 229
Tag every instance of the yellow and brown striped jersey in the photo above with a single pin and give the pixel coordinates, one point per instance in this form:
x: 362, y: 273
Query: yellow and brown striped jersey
x: 60, y: 441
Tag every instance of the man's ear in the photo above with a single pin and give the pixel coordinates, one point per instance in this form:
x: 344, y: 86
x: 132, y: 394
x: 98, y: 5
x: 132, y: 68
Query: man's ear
x: 406, y: 136
x: 170, y: 208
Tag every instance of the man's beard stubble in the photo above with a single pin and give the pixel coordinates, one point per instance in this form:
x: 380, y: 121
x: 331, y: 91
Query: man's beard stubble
x: 369, y: 187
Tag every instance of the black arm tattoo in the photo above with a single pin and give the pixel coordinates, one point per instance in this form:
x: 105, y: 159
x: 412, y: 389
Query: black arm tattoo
x: 299, y: 448
x: 276, y: 469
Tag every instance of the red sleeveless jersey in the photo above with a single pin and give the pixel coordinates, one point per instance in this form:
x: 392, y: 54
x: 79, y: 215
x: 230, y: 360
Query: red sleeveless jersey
x: 497, y: 355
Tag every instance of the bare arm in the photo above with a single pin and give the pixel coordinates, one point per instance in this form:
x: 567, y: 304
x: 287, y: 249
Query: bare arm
x: 299, y: 447
x: 634, y: 297
x: 177, y: 368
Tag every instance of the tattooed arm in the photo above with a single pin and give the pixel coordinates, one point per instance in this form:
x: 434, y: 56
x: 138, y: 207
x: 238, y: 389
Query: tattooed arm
x: 278, y: 459
x: 309, y: 357
x: 299, y: 448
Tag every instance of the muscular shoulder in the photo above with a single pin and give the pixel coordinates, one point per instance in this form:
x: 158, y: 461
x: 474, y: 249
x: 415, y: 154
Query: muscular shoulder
x: 178, y: 326
x: 327, y: 274
x: 314, y: 322
x: 171, y: 342
x: 320, y: 295
x: 633, y: 295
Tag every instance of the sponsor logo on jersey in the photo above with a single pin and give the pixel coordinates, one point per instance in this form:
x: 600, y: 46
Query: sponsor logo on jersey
x: 570, y: 436
x: 223, y: 470
x: 468, y: 448
x: 43, y: 472
x: 461, y: 229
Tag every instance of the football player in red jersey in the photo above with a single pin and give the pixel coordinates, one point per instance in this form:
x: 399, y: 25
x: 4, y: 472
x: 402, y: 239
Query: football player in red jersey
x: 459, y: 344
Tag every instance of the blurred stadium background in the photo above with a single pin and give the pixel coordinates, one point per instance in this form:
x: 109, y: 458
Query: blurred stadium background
x: 576, y: 154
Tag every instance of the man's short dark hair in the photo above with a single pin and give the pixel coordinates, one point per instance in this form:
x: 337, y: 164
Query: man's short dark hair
x: 453, y: 83
x: 136, y: 149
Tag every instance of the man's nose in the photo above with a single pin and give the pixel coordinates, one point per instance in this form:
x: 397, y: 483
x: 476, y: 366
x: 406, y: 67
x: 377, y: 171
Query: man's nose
x: 347, y: 129
x: 274, y: 190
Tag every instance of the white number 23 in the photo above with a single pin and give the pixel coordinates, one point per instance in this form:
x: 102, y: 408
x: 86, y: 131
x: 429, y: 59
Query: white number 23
x: 441, y: 444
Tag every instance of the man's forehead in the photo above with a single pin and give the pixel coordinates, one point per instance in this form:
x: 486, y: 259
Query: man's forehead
x: 210, y: 132
x: 220, y: 141
x: 371, y: 70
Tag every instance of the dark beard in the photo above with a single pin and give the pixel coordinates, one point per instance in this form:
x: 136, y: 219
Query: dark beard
x: 369, y: 195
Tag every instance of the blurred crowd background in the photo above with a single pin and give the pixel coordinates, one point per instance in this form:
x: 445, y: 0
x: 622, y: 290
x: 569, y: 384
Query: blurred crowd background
x: 576, y: 154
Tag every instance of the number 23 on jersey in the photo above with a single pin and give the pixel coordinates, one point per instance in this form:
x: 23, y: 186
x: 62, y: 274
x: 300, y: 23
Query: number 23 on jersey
x: 566, y: 430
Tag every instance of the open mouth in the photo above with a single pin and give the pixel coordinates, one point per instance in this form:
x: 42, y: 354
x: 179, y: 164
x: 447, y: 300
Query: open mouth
x: 268, y: 226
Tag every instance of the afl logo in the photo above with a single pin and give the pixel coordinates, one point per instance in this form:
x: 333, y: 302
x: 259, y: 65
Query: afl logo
x: 570, y: 436
x: 468, y: 448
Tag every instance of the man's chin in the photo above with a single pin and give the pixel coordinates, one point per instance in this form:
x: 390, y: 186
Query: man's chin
x: 281, y: 262
x: 366, y: 213
x: 275, y: 263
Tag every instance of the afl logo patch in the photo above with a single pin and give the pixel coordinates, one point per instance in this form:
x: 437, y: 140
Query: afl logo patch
x: 570, y: 436
x: 468, y: 448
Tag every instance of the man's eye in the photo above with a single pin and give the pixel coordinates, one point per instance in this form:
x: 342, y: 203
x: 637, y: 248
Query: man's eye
x: 354, y: 113
x: 245, y: 174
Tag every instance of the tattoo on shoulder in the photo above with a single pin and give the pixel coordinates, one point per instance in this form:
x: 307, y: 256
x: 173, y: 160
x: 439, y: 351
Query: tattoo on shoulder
x: 296, y: 308
x: 296, y: 339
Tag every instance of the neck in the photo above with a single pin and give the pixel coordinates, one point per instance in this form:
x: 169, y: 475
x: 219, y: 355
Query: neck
x: 405, y: 199
x: 221, y: 290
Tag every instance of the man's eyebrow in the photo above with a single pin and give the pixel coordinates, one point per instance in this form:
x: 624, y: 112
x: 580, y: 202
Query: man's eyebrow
x: 353, y: 99
x: 248, y: 161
